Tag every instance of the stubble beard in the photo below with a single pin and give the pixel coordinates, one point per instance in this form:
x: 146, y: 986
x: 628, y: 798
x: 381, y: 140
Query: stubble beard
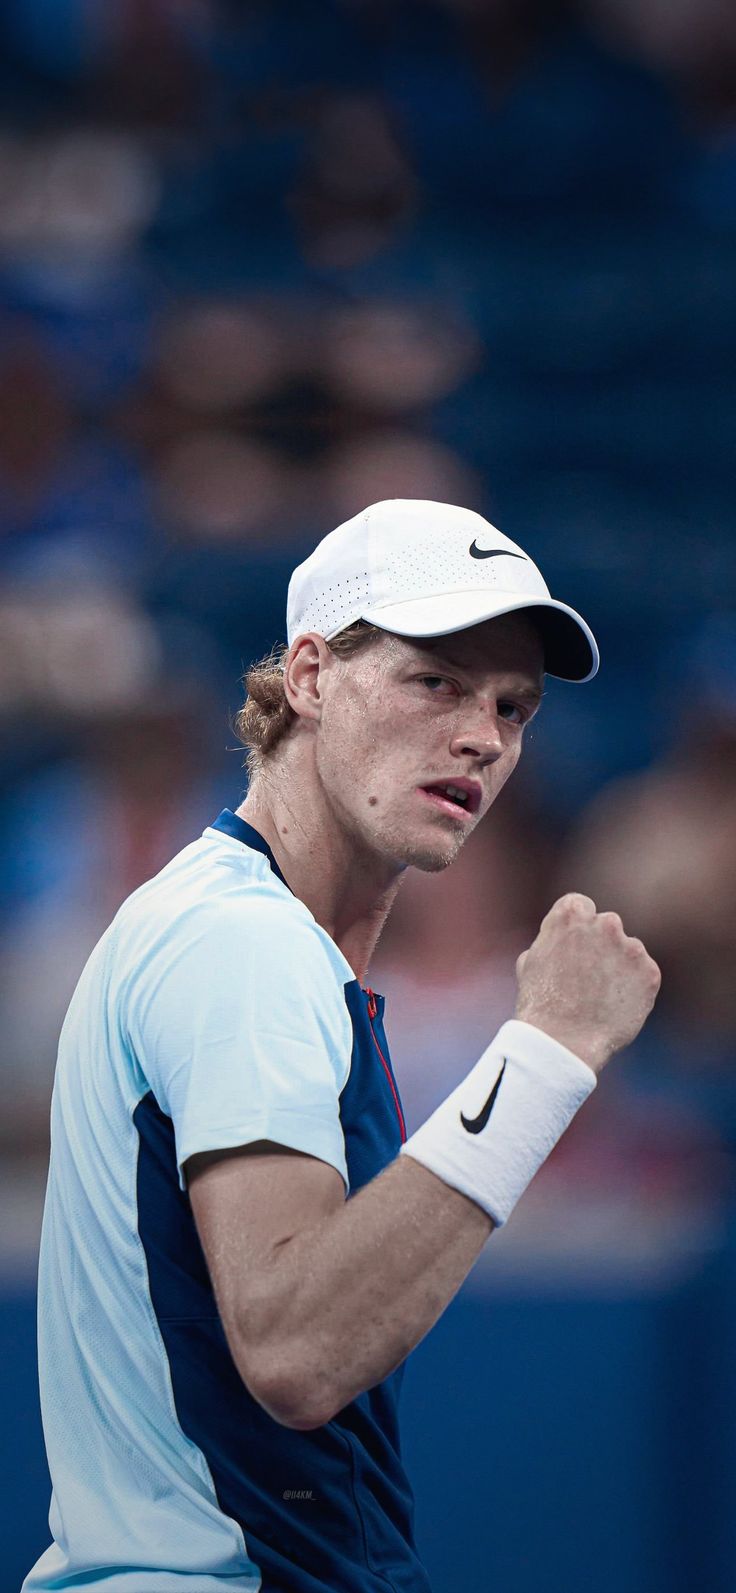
x: 432, y: 861
x: 412, y: 851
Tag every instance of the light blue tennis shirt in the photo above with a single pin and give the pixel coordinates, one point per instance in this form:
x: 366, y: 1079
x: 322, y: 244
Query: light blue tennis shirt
x: 213, y: 1012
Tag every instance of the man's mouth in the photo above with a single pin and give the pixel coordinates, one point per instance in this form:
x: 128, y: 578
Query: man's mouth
x: 461, y: 799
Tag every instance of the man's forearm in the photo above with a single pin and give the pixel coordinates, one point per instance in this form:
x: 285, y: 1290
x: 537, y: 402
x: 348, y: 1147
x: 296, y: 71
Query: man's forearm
x: 342, y: 1301
x: 347, y: 1299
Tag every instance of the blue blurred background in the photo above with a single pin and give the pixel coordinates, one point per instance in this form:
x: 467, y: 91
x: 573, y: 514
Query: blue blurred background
x: 260, y: 265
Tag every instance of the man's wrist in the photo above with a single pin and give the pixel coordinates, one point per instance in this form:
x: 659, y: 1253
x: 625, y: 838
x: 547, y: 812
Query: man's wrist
x: 492, y: 1133
x: 589, y: 1047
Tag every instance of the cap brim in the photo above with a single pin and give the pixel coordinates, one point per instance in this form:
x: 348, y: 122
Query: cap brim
x: 570, y: 648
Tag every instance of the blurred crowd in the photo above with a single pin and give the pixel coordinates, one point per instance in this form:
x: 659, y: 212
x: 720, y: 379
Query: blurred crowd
x: 264, y: 263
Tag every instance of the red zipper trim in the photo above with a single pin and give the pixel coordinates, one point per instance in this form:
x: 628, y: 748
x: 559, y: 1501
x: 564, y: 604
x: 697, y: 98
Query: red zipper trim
x: 372, y: 1010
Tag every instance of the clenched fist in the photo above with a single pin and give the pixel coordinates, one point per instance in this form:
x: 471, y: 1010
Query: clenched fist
x: 585, y: 982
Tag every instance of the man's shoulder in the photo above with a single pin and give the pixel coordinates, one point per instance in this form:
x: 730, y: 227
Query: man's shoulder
x: 211, y: 874
x: 219, y: 894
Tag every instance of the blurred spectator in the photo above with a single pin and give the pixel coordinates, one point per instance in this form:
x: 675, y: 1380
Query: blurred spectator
x: 394, y: 464
x: 213, y: 485
x: 73, y: 647
x: 660, y: 849
x: 393, y: 358
x: 134, y: 710
x: 357, y: 189
x: 36, y: 420
x: 219, y: 355
x: 695, y: 40
x: 78, y: 196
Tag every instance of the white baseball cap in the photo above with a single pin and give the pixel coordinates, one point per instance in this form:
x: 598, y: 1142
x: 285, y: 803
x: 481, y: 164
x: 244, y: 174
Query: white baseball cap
x: 419, y: 568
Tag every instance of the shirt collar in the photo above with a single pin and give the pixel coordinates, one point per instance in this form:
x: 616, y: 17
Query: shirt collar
x: 230, y: 824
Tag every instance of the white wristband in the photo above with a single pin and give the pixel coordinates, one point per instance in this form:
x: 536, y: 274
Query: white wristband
x: 491, y: 1134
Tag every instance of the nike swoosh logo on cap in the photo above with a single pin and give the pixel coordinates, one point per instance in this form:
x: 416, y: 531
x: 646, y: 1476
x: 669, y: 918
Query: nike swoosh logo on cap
x: 492, y: 553
x: 475, y: 1124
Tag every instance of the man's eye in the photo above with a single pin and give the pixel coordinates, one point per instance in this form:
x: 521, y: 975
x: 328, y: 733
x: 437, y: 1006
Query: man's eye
x: 434, y: 680
x: 515, y: 709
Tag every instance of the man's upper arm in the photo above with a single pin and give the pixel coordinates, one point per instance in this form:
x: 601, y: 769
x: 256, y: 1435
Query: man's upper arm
x: 247, y: 1201
x: 241, y: 1028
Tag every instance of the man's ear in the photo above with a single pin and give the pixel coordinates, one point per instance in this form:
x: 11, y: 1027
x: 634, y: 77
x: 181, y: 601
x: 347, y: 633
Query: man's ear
x: 306, y: 664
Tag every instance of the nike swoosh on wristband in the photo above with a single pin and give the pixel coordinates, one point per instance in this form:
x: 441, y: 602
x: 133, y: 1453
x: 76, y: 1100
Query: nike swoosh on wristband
x: 475, y: 1124
x: 492, y: 553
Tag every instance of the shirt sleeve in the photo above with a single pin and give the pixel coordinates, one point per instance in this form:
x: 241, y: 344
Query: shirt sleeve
x: 241, y: 1029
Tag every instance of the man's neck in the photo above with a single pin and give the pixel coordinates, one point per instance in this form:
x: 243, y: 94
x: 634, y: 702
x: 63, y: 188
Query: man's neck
x: 349, y: 892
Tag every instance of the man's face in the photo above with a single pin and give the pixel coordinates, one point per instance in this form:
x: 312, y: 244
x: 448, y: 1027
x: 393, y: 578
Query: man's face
x: 402, y: 717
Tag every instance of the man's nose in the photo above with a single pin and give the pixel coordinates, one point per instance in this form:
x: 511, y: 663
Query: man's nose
x: 479, y: 739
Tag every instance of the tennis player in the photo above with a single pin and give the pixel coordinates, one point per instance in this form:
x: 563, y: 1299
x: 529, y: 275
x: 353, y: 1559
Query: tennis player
x: 222, y: 1331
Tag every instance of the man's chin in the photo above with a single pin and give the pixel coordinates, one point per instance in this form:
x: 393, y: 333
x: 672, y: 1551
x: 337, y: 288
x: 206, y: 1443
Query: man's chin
x: 434, y: 865
x: 429, y: 853
x: 432, y: 859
